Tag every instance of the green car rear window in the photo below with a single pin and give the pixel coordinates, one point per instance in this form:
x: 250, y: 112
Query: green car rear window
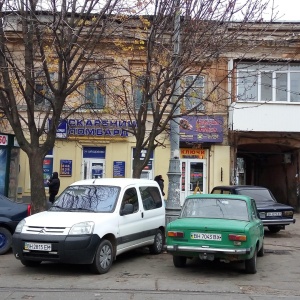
x: 231, y: 209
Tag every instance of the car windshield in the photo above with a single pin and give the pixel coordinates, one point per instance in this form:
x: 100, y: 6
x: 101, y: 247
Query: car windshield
x: 87, y: 198
x: 259, y: 195
x: 215, y: 208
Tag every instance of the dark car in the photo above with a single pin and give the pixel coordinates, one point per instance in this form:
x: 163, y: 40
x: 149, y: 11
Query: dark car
x: 11, y: 213
x: 274, y: 215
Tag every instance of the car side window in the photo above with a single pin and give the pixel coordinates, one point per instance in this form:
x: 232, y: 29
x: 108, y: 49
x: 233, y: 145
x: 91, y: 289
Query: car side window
x: 151, y: 197
x: 254, y: 209
x: 130, y: 196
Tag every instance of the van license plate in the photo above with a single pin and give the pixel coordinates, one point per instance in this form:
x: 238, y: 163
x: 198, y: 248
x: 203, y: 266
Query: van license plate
x: 37, y: 246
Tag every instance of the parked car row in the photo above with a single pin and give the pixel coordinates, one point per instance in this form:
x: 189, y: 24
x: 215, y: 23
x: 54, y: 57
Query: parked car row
x: 93, y: 221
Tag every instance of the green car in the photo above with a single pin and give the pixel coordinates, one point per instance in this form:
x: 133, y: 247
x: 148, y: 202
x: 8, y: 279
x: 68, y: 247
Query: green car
x: 217, y: 227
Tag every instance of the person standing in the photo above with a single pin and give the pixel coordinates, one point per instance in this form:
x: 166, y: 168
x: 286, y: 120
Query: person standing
x: 53, y: 184
x: 160, y: 182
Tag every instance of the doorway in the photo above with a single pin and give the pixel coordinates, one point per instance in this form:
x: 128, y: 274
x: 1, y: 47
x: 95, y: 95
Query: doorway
x: 193, y: 177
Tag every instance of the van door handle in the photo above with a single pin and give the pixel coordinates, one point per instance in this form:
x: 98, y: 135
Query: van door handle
x: 142, y: 214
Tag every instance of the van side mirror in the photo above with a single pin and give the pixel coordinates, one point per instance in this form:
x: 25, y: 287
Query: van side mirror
x: 127, y: 210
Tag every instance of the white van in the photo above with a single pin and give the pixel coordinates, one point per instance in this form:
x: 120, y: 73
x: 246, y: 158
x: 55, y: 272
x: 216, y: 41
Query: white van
x: 92, y: 222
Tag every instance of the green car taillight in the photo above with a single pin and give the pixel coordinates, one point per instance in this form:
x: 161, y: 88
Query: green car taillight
x: 237, y: 237
x: 179, y: 234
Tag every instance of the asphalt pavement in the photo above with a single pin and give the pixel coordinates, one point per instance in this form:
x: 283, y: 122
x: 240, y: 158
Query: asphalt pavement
x: 139, y: 275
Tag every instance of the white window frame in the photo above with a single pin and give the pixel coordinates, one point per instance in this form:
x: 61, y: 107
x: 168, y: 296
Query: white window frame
x: 269, y: 68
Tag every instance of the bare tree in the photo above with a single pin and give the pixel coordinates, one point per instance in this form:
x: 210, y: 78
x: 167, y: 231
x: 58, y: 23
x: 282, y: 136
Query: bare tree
x: 49, y: 49
x: 159, y: 83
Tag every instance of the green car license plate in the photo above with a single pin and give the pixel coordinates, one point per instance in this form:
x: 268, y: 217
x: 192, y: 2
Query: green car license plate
x: 206, y: 236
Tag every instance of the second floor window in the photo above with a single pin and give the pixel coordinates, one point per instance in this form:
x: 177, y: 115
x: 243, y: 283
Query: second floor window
x: 268, y: 82
x: 194, y: 86
x: 139, y: 93
x: 95, y: 92
x: 42, y: 91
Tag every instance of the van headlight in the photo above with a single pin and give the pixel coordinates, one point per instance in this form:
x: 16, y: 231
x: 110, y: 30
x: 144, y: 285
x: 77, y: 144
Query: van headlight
x: 20, y: 226
x: 82, y: 228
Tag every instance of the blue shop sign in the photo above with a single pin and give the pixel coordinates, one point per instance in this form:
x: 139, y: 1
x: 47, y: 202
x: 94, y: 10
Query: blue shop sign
x: 119, y: 169
x: 94, y: 152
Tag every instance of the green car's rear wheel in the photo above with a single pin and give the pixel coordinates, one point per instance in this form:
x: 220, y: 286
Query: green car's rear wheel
x: 250, y: 264
x: 179, y: 261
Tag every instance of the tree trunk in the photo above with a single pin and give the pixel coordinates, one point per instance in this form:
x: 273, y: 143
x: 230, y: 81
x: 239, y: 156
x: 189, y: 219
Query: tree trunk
x: 137, y: 167
x: 38, y: 195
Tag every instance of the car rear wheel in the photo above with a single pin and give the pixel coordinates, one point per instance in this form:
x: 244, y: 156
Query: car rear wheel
x: 5, y: 240
x: 261, y: 251
x: 250, y: 264
x: 30, y: 263
x: 103, y: 258
x: 179, y: 261
x: 157, y: 246
x: 274, y: 229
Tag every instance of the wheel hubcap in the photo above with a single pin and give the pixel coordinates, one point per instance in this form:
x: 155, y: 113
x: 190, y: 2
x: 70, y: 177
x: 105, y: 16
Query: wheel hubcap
x: 2, y: 240
x: 105, y: 257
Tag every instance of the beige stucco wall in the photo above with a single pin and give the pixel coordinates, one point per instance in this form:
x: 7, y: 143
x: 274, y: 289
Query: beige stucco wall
x: 219, y: 166
x: 72, y: 150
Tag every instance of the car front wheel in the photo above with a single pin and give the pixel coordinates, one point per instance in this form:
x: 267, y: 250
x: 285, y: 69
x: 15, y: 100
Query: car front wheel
x: 157, y: 246
x: 103, y: 258
x: 5, y: 240
x: 250, y: 264
x: 179, y: 261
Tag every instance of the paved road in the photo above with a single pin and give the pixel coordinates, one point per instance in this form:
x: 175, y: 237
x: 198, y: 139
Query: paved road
x: 138, y: 275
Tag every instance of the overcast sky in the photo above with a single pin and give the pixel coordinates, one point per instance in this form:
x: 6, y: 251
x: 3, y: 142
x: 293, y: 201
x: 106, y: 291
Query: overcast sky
x: 288, y: 10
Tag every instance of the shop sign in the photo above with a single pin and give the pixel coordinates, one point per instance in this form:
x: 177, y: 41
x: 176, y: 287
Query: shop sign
x: 3, y: 140
x: 201, y: 129
x: 119, y: 169
x: 65, y: 167
x: 192, y: 153
x: 94, y: 152
x: 94, y: 127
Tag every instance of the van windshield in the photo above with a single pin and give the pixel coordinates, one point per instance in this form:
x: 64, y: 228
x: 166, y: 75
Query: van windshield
x: 87, y: 198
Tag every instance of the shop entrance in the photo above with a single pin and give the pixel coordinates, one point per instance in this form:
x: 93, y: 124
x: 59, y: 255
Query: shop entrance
x: 93, y: 162
x: 93, y: 168
x: 193, y: 177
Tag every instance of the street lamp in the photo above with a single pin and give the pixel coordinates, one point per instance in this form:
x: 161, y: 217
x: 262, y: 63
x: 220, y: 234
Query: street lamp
x: 174, y: 174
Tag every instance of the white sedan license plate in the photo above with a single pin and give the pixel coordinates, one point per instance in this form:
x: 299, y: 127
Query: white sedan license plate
x: 37, y: 247
x: 274, y: 214
x: 206, y: 236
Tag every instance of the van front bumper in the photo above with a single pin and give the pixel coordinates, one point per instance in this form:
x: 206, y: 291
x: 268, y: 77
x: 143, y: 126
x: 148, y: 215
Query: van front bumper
x: 73, y: 249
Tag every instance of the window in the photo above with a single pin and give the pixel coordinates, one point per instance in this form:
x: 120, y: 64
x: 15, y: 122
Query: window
x: 95, y: 92
x: 194, y: 85
x: 131, y: 197
x: 277, y: 82
x: 42, y: 91
x: 139, y: 93
x: 150, y: 197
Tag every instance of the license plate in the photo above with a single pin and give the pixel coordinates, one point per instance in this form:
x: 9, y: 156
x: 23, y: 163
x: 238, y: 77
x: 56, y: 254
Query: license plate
x: 37, y: 247
x: 274, y: 214
x: 206, y: 236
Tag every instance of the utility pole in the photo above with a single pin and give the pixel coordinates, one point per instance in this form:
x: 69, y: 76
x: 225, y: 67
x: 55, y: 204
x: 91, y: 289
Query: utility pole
x: 174, y: 174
